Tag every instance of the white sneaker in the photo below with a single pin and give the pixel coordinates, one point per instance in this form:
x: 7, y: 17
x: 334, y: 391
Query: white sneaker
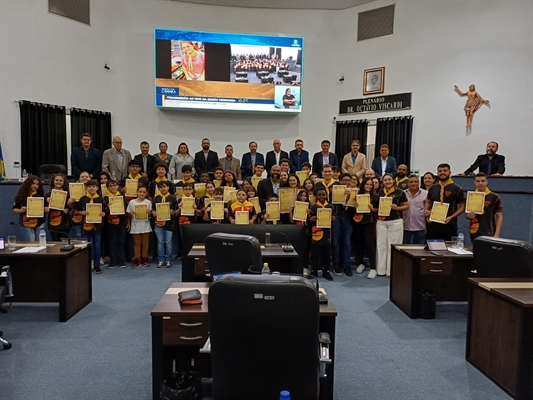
x: 372, y: 274
x: 360, y: 268
x: 306, y: 271
x: 101, y: 261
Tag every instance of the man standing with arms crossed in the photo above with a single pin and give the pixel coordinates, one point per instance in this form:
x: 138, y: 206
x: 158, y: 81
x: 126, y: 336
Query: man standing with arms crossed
x: 86, y: 158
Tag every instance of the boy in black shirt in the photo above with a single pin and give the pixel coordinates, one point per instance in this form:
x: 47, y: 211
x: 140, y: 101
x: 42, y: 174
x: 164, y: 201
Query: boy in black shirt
x: 490, y: 222
x: 321, y: 237
x: 92, y: 231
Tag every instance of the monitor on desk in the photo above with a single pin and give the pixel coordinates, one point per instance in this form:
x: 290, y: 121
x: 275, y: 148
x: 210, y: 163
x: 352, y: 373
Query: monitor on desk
x: 503, y: 258
x: 228, y: 253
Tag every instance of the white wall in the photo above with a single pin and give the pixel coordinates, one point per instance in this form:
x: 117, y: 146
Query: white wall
x: 436, y: 44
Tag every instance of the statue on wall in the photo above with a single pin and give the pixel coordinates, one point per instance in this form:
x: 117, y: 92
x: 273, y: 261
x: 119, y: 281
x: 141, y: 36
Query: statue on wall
x: 473, y: 103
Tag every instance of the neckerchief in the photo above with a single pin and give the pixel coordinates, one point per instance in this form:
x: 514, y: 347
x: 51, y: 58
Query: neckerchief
x: 110, y: 194
x: 91, y: 197
x: 164, y: 197
x: 190, y: 180
x: 32, y: 194
x: 161, y: 179
x: 328, y: 185
x: 321, y: 205
x: 442, y: 185
x: 487, y: 191
x: 139, y: 176
x: 387, y: 192
x: 400, y: 181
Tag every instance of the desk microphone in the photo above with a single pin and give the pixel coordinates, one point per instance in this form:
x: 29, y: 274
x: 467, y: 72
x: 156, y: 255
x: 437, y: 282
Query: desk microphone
x: 288, y: 247
x: 65, y: 247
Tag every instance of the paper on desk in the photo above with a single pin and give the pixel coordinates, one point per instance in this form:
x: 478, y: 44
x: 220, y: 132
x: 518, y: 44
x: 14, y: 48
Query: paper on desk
x: 459, y: 251
x: 206, y: 290
x: 30, y: 249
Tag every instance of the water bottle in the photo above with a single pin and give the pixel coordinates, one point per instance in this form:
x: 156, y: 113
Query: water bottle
x: 42, y: 238
x: 461, y: 240
x: 284, y: 395
x: 265, y: 269
x: 267, y: 239
x: 24, y: 174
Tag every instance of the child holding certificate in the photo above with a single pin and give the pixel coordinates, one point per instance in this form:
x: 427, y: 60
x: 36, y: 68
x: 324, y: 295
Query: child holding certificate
x: 490, y: 221
x: 164, y: 223
x: 76, y: 219
x: 57, y: 208
x: 161, y: 170
x: 365, y: 242
x: 139, y: 210
x: 116, y: 225
x: 92, y: 229
x: 187, y: 207
x: 342, y: 229
x: 265, y: 217
x: 134, y: 166
x: 242, y: 205
x: 29, y: 226
x: 389, y: 202
x: 320, y: 237
x: 222, y: 218
x: 302, y: 197
x: 203, y: 202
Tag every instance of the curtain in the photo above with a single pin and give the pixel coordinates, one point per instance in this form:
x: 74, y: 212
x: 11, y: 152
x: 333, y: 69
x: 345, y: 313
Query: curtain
x: 397, y: 132
x: 348, y: 131
x: 43, y: 136
x: 96, y: 123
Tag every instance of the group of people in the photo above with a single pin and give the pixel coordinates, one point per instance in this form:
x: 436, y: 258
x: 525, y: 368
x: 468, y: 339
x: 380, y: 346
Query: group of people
x: 190, y: 185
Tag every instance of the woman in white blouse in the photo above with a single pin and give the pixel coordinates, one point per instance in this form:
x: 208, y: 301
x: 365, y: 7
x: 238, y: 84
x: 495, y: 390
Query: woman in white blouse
x: 181, y: 158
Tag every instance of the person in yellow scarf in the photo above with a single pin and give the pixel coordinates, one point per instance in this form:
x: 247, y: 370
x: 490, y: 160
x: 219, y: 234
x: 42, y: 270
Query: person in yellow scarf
x: 242, y: 205
x: 29, y: 227
x: 164, y: 227
x: 401, y: 180
x: 92, y: 231
x: 321, y: 237
x: 116, y: 227
x: 490, y: 222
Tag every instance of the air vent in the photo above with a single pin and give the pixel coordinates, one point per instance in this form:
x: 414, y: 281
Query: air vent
x: 375, y: 23
x: 78, y: 10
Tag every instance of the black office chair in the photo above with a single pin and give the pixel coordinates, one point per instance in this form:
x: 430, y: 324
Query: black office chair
x: 502, y: 258
x: 4, y: 292
x: 264, y: 337
x: 47, y: 170
x: 228, y: 252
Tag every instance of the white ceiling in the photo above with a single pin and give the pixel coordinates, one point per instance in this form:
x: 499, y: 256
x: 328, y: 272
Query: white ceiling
x: 288, y: 4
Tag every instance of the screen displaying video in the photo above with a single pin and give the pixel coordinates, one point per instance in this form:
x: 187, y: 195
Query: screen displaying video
x: 228, y: 71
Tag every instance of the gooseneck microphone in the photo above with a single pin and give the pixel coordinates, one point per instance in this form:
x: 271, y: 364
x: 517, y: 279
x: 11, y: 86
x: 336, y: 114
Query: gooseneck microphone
x: 288, y: 247
x: 67, y: 246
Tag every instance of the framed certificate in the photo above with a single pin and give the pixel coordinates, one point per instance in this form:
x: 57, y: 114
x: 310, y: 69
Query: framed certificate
x: 187, y: 204
x: 302, y: 176
x: 58, y: 199
x: 207, y: 201
x: 217, y: 183
x: 385, y: 204
x: 233, y: 195
x: 350, y: 202
x: 323, y: 218
x: 475, y: 202
x: 439, y: 212
x: 94, y: 210
x: 141, y: 212
x: 217, y: 210
x: 77, y: 190
x: 300, y: 211
x: 287, y: 197
x: 242, y: 218
x: 35, y: 207
x: 116, y: 205
x: 338, y: 195
x: 363, y: 203
x: 162, y: 211
x: 200, y: 190
x: 273, y: 210
x: 227, y: 193
x: 179, y: 192
x: 131, y: 187
x: 256, y: 180
x: 105, y: 191
x: 255, y: 202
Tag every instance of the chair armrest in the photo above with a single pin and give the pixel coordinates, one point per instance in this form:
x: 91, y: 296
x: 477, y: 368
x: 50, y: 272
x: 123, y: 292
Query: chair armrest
x: 324, y: 340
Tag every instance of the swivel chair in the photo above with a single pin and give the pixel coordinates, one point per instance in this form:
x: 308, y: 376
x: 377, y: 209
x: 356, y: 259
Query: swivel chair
x: 4, y: 292
x: 227, y: 252
x: 47, y: 170
x: 502, y: 258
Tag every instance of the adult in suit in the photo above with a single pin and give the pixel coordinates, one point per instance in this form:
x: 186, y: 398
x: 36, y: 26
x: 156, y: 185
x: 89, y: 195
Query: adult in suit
x: 354, y: 163
x: 230, y: 163
x: 270, y: 185
x: 250, y: 159
x: 205, y: 160
x: 490, y: 163
x: 384, y: 164
x: 324, y: 157
x: 116, y: 159
x: 86, y: 158
x: 274, y: 157
x: 147, y: 161
x: 298, y: 156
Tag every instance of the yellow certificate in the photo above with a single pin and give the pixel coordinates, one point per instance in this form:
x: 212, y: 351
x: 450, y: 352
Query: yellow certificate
x: 227, y: 191
x: 323, y: 218
x: 363, y: 202
x: 217, y: 209
x: 241, y: 218
x: 207, y: 201
x: 35, y: 207
x: 312, y: 199
x: 475, y: 202
x: 162, y: 211
x: 105, y: 191
x: 116, y: 205
x: 141, y: 212
x: 217, y: 183
x: 187, y: 204
x: 94, y: 210
x: 385, y: 204
x: 233, y: 195
x: 256, y: 180
x: 157, y: 192
x: 255, y: 202
x: 287, y: 197
x: 58, y: 199
x: 272, y: 209
x: 77, y: 190
x: 200, y: 190
x: 350, y: 202
x: 179, y: 192
x: 338, y: 195
x: 300, y: 211
x: 302, y: 176
x: 131, y: 187
x: 439, y: 212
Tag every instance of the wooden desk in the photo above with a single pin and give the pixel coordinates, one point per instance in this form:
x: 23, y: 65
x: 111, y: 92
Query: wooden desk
x: 499, y: 338
x: 179, y: 333
x: 414, y: 269
x: 277, y: 259
x: 51, y: 276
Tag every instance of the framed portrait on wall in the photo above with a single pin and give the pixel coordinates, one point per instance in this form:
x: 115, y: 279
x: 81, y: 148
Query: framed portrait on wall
x: 374, y: 81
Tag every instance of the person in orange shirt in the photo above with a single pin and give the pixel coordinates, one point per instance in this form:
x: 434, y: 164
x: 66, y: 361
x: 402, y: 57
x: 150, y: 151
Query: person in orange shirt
x: 242, y: 205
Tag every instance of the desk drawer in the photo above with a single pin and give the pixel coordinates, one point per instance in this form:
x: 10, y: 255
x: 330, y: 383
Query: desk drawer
x: 185, y: 330
x: 200, y: 265
x: 436, y: 266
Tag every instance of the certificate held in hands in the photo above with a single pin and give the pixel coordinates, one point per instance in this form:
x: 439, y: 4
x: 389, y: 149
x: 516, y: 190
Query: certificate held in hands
x: 77, y: 190
x: 256, y: 180
x: 131, y: 187
x: 363, y: 203
x: 200, y: 190
x: 58, y: 199
x: 300, y: 211
x: 217, y: 210
x: 187, y: 204
x: 385, y: 204
x: 350, y: 201
x: 272, y: 209
x: 141, y: 212
x: 162, y: 211
x: 35, y: 207
x: 241, y: 218
x: 338, y: 195
x: 255, y: 202
x: 439, y: 212
x: 94, y: 210
x: 475, y: 202
x: 323, y: 218
x: 116, y: 205
x: 287, y: 197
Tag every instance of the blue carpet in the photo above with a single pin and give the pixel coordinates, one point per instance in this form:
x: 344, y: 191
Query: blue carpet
x: 104, y: 352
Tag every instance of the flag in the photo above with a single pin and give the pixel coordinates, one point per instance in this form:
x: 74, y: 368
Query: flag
x: 2, y: 167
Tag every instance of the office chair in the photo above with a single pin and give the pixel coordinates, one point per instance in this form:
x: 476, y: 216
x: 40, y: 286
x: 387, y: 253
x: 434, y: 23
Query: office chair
x: 227, y: 252
x: 264, y: 334
x: 502, y: 258
x: 4, y: 292
x: 47, y: 170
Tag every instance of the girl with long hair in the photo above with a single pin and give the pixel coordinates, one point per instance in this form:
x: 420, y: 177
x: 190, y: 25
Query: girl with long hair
x: 29, y: 226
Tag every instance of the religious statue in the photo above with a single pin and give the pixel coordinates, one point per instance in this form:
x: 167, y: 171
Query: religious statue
x: 473, y: 103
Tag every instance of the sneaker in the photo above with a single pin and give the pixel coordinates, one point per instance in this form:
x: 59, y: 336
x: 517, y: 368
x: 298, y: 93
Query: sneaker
x: 360, y: 269
x: 136, y: 263
x: 107, y: 260
x: 327, y: 276
x: 306, y: 271
x: 348, y: 271
x: 160, y: 264
x: 111, y: 266
x: 122, y: 265
x: 101, y: 261
x: 168, y: 264
x: 98, y: 270
x: 145, y: 262
x: 337, y: 270
x: 372, y: 274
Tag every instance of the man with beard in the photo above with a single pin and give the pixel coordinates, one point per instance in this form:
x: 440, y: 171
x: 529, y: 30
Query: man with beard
x: 205, y: 160
x: 490, y: 222
x: 401, y: 177
x: 490, y: 163
x: 445, y: 191
x: 268, y: 186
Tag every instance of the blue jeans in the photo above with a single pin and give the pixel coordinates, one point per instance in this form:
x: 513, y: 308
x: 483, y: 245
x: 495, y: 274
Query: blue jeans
x: 341, y: 240
x: 414, y: 237
x: 76, y: 231
x: 29, y: 234
x: 164, y: 244
x: 96, y: 240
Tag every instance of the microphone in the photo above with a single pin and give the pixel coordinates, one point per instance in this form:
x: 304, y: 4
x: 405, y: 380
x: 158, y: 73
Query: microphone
x: 65, y: 247
x: 288, y: 247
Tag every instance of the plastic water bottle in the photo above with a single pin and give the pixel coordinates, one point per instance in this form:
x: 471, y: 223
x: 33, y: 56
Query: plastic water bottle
x: 265, y: 269
x: 461, y: 240
x: 267, y: 239
x: 24, y: 174
x: 42, y: 238
x: 284, y: 395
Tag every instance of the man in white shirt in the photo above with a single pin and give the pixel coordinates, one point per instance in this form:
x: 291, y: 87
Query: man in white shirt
x: 273, y: 157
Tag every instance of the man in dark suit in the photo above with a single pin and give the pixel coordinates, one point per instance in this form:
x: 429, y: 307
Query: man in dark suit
x: 298, y: 156
x: 147, y: 161
x: 205, y: 160
x: 489, y: 163
x: 268, y: 186
x: 384, y: 164
x: 324, y: 157
x: 250, y: 159
x: 274, y: 157
x: 86, y: 158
